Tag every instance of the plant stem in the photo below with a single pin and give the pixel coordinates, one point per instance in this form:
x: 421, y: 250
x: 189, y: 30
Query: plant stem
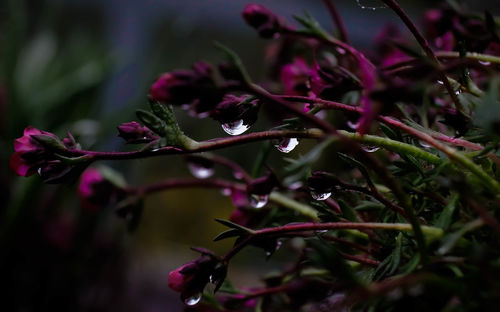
x: 337, y: 20
x: 385, y: 119
x: 177, y: 183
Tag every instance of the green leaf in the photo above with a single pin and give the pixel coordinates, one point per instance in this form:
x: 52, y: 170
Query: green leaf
x: 234, y: 225
x: 391, y: 134
x: 227, y: 234
x: 235, y: 60
x: 445, y: 217
x: 347, y: 211
x: 152, y: 121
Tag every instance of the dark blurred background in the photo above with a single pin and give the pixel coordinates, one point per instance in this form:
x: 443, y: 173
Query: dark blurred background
x: 85, y: 66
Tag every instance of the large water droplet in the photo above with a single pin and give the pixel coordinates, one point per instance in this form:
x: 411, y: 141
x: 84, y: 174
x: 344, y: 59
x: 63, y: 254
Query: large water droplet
x: 320, y: 196
x: 369, y: 148
x: 193, y: 300
x: 286, y: 145
x: 258, y: 201
x: 200, y: 172
x: 485, y: 63
x: 235, y: 128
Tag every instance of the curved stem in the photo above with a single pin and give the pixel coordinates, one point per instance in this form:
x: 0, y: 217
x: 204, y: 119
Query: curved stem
x: 337, y: 19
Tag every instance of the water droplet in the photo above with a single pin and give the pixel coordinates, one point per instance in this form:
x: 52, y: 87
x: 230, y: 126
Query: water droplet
x: 352, y: 125
x: 340, y: 50
x: 424, y: 144
x: 200, y: 172
x: 193, y: 300
x: 485, y: 63
x: 235, y: 128
x: 286, y: 145
x: 458, y: 92
x: 369, y: 148
x: 373, y: 8
x: 226, y: 191
x: 321, y: 231
x: 238, y: 175
x: 39, y: 171
x: 211, y: 279
x: 278, y: 245
x: 258, y: 201
x: 295, y: 185
x: 440, y: 82
x: 320, y: 196
x: 268, y: 254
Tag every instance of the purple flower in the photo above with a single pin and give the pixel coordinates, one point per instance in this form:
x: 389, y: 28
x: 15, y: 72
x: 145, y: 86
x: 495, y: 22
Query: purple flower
x: 30, y: 155
x: 234, y: 108
x: 262, y: 19
x: 133, y: 133
x: 195, y: 87
x: 95, y: 192
x: 295, y: 76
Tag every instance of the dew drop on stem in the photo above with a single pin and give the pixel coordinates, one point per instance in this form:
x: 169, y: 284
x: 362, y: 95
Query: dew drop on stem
x: 369, y: 148
x: 200, y: 172
x: 286, y: 145
x: 235, y: 127
x: 193, y: 300
x: 258, y: 201
x: 320, y: 196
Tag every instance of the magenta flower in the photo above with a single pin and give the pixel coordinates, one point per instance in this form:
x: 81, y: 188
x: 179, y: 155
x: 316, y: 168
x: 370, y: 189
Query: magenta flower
x: 262, y: 19
x: 190, y: 279
x: 95, y: 192
x: 295, y: 76
x: 133, y: 133
x: 30, y: 155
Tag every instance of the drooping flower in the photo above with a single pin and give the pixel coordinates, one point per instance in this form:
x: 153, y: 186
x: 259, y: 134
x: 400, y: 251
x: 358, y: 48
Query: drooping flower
x: 332, y: 82
x: 94, y: 191
x: 133, y: 133
x: 195, y: 88
x: 190, y: 279
x: 262, y: 19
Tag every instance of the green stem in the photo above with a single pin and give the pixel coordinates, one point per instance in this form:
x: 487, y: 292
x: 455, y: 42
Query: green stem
x: 394, y: 146
x: 470, y: 55
x: 287, y: 202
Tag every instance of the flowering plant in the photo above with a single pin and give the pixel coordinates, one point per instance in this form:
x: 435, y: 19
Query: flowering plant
x: 395, y: 206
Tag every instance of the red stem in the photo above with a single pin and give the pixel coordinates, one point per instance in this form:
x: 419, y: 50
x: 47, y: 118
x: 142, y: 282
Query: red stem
x: 337, y: 20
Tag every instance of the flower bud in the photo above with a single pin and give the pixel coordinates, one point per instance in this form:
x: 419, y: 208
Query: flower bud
x: 332, y: 82
x: 295, y: 76
x: 262, y: 19
x: 133, y: 133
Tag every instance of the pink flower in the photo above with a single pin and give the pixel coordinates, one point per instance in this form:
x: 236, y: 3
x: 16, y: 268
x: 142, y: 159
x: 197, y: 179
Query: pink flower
x: 294, y: 77
x: 133, y: 133
x: 262, y: 19
x: 30, y: 155
x: 177, y: 280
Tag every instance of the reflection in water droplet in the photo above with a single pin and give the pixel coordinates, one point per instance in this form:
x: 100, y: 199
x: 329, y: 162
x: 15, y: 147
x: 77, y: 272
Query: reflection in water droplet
x: 238, y: 175
x: 258, y: 201
x: 485, y: 63
x: 320, y: 196
x: 200, y: 172
x: 352, y: 125
x: 340, y: 50
x: 286, y: 145
x: 193, y: 300
x: 369, y: 148
x: 235, y: 128
x: 424, y: 144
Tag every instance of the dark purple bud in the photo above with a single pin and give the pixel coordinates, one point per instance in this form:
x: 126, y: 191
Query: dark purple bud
x: 263, y: 185
x: 235, y: 108
x: 195, y: 87
x: 321, y: 182
x: 262, y: 19
x: 133, y: 133
x: 332, y: 82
